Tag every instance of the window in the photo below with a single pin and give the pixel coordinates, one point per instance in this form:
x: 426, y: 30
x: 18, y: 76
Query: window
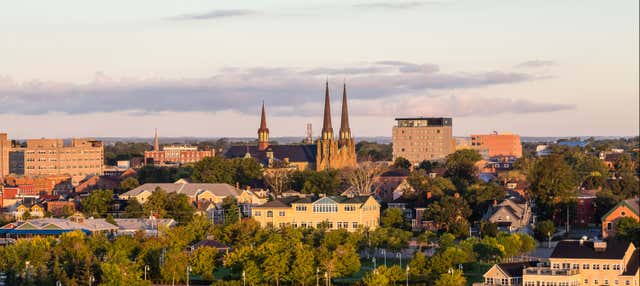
x: 576, y: 266
x: 301, y: 208
x: 616, y: 267
x: 349, y: 208
x: 605, y: 267
x: 626, y: 283
x: 256, y: 213
x: 556, y: 266
x: 295, y: 225
x: 303, y: 224
x: 585, y: 266
x: 586, y: 281
x: 606, y: 282
x: 595, y: 281
x: 489, y: 281
x: 596, y: 266
x: 281, y: 213
x: 269, y: 213
x: 609, y: 226
x: 505, y: 281
x: 354, y: 224
x: 623, y: 213
x: 566, y: 265
x: 615, y: 281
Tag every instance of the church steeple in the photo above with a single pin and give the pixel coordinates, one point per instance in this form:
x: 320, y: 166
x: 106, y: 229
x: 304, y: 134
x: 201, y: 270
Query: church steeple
x: 327, y: 129
x: 156, y: 143
x: 345, y: 131
x: 263, y: 131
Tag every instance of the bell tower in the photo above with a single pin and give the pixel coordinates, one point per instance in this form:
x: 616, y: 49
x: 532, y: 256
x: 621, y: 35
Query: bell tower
x: 263, y: 132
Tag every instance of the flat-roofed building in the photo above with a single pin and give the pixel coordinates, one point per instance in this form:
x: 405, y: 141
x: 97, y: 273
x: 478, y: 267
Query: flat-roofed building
x: 336, y: 212
x: 81, y: 158
x: 498, y: 144
x: 423, y: 138
x: 5, y: 146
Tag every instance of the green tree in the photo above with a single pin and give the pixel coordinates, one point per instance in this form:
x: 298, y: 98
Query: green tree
x: 231, y: 210
x: 133, y: 209
x: 393, y: 217
x: 156, y: 203
x: 455, y: 278
x: 628, y: 229
x: 447, y: 211
x: 214, y: 170
x: 488, y: 228
x: 247, y: 171
x: 461, y: 165
x: 97, y: 203
x: 303, y: 265
x: 544, y: 229
x: 383, y: 276
x: 552, y: 181
x: 202, y: 261
x: 402, y: 163
x: 128, y: 184
x: 175, y: 266
x: 418, y: 266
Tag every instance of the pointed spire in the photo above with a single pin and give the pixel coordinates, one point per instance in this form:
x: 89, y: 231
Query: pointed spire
x: 156, y: 143
x: 327, y: 129
x: 263, y: 119
x: 345, y: 131
x: 263, y: 131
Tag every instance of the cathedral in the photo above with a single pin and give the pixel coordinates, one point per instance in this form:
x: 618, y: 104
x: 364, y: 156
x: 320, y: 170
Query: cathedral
x: 328, y: 152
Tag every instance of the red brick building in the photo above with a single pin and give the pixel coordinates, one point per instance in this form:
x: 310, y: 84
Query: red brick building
x: 503, y: 144
x: 627, y: 208
x: 585, y: 208
x: 174, y: 154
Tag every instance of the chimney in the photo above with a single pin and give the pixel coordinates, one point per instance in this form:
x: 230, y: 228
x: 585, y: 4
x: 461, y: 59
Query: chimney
x: 495, y: 203
x: 600, y: 246
x: 429, y: 195
x: 237, y: 185
x: 456, y: 195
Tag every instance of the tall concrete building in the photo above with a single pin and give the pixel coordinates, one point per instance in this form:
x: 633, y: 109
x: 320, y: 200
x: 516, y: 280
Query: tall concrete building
x: 81, y: 158
x: 423, y: 138
x: 5, y: 146
x: 498, y: 144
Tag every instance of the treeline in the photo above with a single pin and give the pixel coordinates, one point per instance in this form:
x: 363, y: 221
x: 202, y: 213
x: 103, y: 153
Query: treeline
x: 265, y: 256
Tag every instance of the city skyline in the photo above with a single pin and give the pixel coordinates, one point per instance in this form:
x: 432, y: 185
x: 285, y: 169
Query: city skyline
x: 202, y: 69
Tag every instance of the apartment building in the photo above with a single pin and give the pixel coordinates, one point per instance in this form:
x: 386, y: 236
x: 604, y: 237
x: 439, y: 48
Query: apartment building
x: 498, y: 144
x: 577, y: 263
x: 423, y: 138
x: 336, y: 212
x: 5, y: 146
x: 81, y: 158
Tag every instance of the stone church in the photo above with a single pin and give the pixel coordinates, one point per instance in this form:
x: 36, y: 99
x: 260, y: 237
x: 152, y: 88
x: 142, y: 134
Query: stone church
x: 327, y: 152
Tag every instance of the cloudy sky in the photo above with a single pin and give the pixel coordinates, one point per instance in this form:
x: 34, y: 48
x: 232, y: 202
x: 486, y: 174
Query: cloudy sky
x: 202, y: 68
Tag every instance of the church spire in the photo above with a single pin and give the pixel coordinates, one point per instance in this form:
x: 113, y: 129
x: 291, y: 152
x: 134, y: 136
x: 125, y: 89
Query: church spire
x: 327, y: 129
x: 263, y: 132
x: 156, y: 143
x: 345, y: 131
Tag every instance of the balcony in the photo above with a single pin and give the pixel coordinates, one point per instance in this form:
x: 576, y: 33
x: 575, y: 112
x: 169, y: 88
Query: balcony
x: 547, y: 271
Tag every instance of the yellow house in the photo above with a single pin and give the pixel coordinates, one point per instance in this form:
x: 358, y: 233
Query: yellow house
x: 34, y: 211
x: 578, y: 263
x: 337, y: 212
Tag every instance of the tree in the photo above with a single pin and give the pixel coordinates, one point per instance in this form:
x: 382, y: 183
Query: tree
x: 488, y: 228
x: 97, y: 203
x: 628, y: 229
x: 175, y: 266
x: 393, y: 217
x: 447, y: 211
x: 363, y: 176
x: 489, y: 250
x: 278, y: 180
x: 214, y: 170
x: 128, y: 184
x: 544, y: 230
x: 202, y: 262
x: 179, y: 208
x: 156, y: 203
x: 461, y: 165
x: 303, y: 265
x: 427, y: 165
x: 312, y: 182
x: 383, y: 276
x: 133, y: 209
x: 418, y: 265
x: 371, y: 151
x: 552, y: 181
x: 402, y: 163
x: 231, y: 210
x: 248, y: 171
x: 455, y: 278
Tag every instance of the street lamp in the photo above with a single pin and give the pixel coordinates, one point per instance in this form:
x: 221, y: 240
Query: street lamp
x: 374, y: 262
x: 317, y: 277
x: 91, y: 280
x: 188, y: 270
x: 244, y: 278
x: 384, y: 252
x: 326, y: 278
x: 407, y: 275
x: 58, y: 283
x: 400, y: 256
x: 549, y: 237
x: 146, y: 268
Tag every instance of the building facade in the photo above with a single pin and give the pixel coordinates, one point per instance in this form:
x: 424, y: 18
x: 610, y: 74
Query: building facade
x: 583, y: 262
x: 627, y: 208
x: 498, y: 144
x: 423, y: 138
x: 5, y: 146
x: 328, y: 152
x: 338, y: 212
x: 175, y: 154
x: 41, y: 157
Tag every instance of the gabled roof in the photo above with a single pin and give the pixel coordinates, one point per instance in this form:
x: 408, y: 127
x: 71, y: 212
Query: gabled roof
x: 633, y: 204
x: 190, y: 190
x: 574, y: 249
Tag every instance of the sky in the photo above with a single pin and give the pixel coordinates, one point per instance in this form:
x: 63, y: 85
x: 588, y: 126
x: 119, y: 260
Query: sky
x: 76, y: 68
